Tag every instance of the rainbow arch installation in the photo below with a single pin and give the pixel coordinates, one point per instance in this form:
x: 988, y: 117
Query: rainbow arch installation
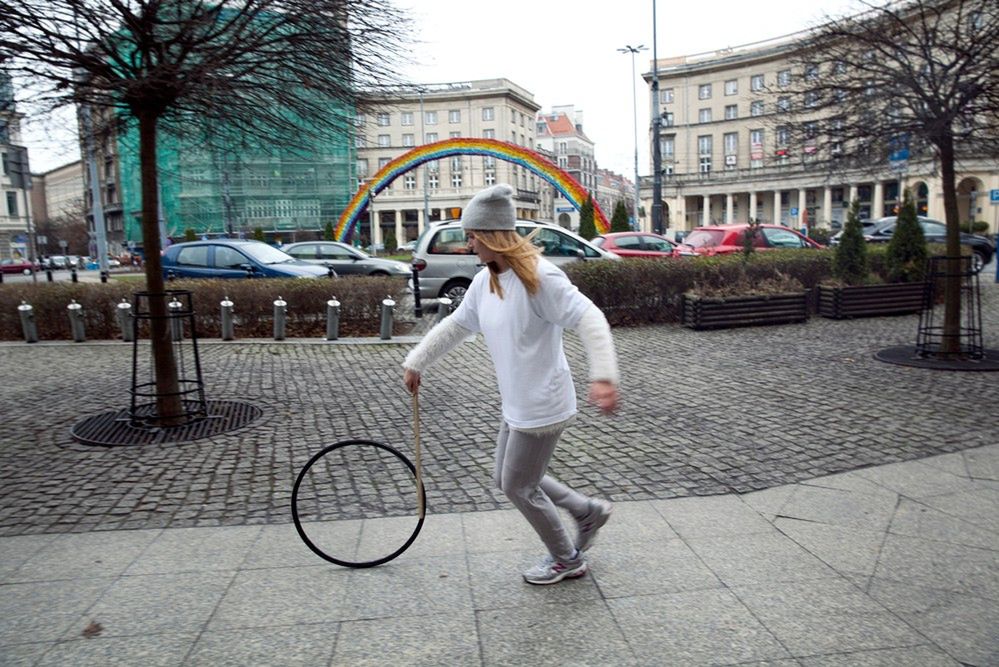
x: 501, y: 150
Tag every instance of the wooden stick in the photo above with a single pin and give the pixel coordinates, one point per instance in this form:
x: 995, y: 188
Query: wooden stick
x: 419, y: 467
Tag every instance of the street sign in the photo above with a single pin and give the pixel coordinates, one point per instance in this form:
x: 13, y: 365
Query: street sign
x: 63, y: 244
x: 898, y: 157
x: 794, y: 211
x: 994, y: 196
x: 564, y: 209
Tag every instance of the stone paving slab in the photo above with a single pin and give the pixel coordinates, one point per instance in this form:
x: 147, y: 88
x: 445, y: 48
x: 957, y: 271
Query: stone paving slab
x: 689, y: 588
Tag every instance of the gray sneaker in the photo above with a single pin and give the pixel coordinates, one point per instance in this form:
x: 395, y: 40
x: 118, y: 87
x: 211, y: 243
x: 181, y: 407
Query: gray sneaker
x: 551, y: 570
x: 589, y: 525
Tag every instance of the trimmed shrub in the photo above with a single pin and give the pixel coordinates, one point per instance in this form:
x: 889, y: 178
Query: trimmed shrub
x: 850, y: 265
x: 587, y: 227
x: 390, y: 242
x: 360, y: 310
x: 190, y: 235
x: 906, y: 255
x: 619, y: 221
x: 820, y: 235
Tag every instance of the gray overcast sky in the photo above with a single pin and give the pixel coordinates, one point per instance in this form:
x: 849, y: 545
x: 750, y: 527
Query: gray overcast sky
x: 562, y: 52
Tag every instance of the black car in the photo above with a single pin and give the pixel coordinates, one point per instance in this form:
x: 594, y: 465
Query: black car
x: 982, y: 249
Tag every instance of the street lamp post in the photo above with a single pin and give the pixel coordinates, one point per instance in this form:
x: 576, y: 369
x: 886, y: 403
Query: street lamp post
x: 634, y: 100
x: 657, y: 162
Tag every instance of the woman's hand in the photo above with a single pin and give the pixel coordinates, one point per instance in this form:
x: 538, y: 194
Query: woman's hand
x: 603, y: 394
x: 411, y: 379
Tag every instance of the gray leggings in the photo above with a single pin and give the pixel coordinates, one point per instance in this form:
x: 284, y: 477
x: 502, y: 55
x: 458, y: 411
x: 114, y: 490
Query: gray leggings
x: 521, y: 461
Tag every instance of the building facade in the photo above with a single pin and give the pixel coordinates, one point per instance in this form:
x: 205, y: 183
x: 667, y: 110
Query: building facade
x: 438, y: 190
x: 560, y: 132
x: 725, y: 160
x: 15, y: 180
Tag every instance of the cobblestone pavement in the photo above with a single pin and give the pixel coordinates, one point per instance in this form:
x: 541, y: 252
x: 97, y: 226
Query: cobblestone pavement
x: 703, y: 413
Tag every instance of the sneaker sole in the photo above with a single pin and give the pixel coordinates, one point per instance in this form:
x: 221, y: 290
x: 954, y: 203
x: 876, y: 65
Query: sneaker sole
x: 575, y: 573
x: 597, y: 525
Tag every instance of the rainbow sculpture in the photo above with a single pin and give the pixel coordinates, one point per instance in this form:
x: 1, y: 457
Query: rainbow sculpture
x: 501, y: 150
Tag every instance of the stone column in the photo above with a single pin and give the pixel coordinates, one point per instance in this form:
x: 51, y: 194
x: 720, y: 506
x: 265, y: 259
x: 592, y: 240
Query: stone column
x: 706, y: 210
x: 827, y: 212
x: 729, y: 213
x: 398, y: 228
x: 878, y: 200
x: 752, y: 205
x: 420, y: 222
x: 802, y: 206
x: 776, y: 220
x: 853, y: 195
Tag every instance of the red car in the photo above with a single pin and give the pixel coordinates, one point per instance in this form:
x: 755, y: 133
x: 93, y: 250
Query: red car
x: 14, y: 265
x: 727, y: 239
x: 635, y: 244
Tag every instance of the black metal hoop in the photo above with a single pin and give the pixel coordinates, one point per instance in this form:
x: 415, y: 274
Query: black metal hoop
x: 339, y: 561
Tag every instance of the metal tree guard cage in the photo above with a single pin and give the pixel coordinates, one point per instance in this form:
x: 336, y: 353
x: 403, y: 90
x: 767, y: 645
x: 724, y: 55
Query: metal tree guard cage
x: 184, y: 341
x: 930, y: 337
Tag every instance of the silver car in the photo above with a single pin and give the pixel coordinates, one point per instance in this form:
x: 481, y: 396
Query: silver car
x: 446, y: 266
x: 345, y: 260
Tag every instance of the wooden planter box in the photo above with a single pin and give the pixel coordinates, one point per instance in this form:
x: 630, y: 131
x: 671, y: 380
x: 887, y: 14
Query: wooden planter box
x: 744, y: 311
x: 871, y: 300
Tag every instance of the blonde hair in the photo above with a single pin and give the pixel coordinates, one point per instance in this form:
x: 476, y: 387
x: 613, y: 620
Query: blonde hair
x: 519, y: 253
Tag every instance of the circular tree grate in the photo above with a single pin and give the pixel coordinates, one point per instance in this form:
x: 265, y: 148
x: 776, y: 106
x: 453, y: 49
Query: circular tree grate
x: 115, y: 428
x: 908, y: 355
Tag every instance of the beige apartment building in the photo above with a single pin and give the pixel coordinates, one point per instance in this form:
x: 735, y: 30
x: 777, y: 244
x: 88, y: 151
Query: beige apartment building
x: 439, y: 189
x: 725, y: 161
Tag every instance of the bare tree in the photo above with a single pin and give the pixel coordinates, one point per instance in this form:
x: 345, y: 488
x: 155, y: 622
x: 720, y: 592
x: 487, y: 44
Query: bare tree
x: 921, y: 74
x: 70, y: 225
x: 252, y: 71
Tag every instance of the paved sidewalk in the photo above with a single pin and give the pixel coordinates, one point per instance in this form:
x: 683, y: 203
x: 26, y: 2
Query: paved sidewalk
x: 891, y: 565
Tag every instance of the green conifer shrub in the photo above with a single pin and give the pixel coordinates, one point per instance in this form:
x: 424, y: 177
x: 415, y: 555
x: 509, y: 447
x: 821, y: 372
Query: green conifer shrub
x: 850, y: 263
x: 619, y: 221
x: 587, y: 227
x: 906, y: 254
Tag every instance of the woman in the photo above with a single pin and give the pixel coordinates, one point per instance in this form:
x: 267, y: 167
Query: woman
x: 520, y: 305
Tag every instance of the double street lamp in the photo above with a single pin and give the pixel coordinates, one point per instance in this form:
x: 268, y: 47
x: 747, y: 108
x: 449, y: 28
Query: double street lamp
x: 634, y: 99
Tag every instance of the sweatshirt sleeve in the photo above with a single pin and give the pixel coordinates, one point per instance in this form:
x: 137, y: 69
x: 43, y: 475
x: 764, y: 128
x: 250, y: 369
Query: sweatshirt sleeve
x: 439, y: 341
x: 594, y: 332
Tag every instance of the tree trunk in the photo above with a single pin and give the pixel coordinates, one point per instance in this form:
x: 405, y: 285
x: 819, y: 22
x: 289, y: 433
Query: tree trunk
x: 950, y: 344
x: 169, y: 405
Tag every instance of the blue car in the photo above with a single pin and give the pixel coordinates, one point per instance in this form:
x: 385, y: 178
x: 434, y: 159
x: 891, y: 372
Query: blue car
x: 232, y: 258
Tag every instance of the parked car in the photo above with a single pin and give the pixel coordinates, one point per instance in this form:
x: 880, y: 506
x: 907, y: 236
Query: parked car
x: 232, y: 258
x: 345, y: 260
x: 15, y: 265
x: 635, y: 244
x: 446, y: 265
x: 408, y: 246
x: 866, y: 226
x: 727, y: 239
x: 57, y: 262
x: 935, y: 231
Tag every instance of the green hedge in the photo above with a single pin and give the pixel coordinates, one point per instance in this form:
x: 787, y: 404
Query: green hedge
x: 633, y: 292
x: 360, y: 311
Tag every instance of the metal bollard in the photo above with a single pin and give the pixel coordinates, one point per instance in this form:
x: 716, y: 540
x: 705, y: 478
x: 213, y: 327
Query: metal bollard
x: 123, y: 311
x: 280, y: 310
x: 443, y: 309
x: 417, y: 304
x: 48, y: 275
x: 176, y: 323
x: 332, y: 319
x: 27, y: 314
x: 72, y: 275
x: 75, y: 311
x: 227, y: 325
x: 387, y: 307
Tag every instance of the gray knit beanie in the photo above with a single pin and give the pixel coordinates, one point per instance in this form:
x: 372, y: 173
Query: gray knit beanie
x: 491, y: 209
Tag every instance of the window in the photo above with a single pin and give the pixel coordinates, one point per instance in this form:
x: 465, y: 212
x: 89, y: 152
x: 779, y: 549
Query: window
x: 359, y: 120
x: 783, y: 104
x: 704, y: 91
x: 704, y: 116
x: 783, y: 135
x: 434, y: 166
x: 384, y: 119
x: 731, y: 143
x: 704, y: 164
x: 666, y: 96
x: 433, y: 181
x: 194, y: 255
x: 756, y: 108
x: 755, y: 149
x: 456, y: 163
x: 839, y: 68
x: 756, y: 83
x: 489, y: 162
x: 230, y: 258
x: 731, y: 111
x: 668, y: 119
x: 431, y: 137
x: 811, y: 99
x: 454, y: 116
x: 360, y: 141
x: 784, y: 78
x: 811, y: 72
x: 667, y: 147
x: 732, y: 87
x: 409, y: 181
x: 408, y: 140
x: 12, y: 204
x: 382, y: 161
x: 490, y: 178
x: 704, y: 144
x: 454, y: 135
x: 456, y: 179
x: 488, y: 113
x: 449, y: 242
x: 406, y: 118
x: 489, y: 134
x: 384, y: 141
x: 430, y: 117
